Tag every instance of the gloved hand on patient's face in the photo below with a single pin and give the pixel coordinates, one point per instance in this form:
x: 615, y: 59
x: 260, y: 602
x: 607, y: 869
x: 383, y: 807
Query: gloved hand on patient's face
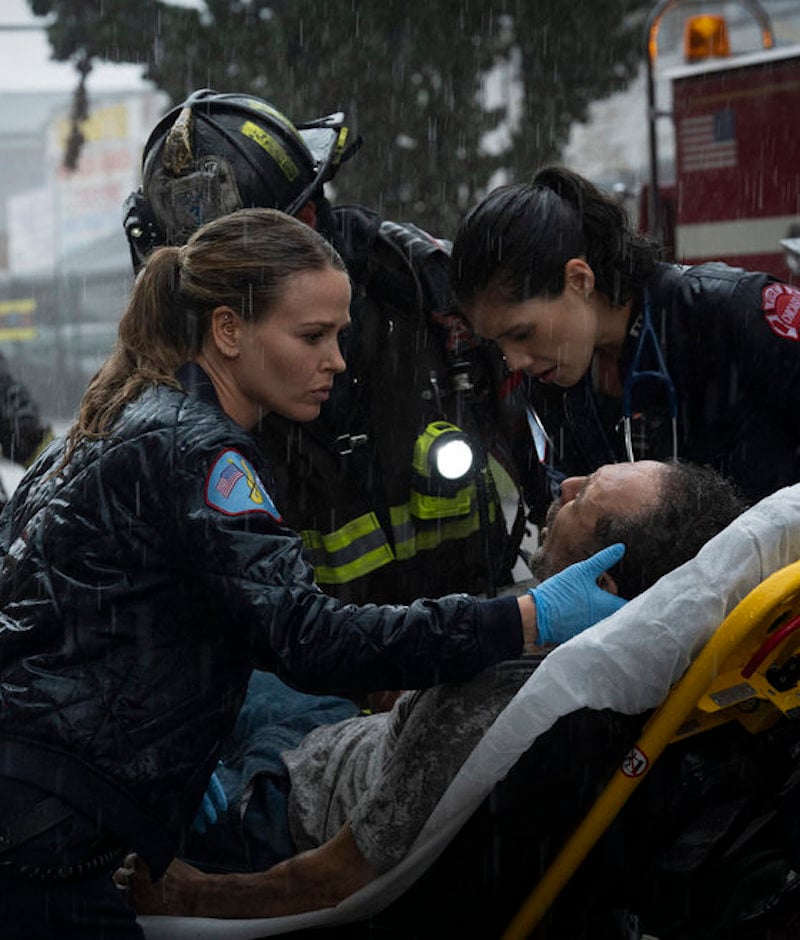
x: 572, y: 600
x: 214, y: 803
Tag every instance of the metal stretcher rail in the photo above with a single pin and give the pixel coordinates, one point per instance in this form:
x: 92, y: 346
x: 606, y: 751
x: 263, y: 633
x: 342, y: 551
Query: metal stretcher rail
x: 748, y: 671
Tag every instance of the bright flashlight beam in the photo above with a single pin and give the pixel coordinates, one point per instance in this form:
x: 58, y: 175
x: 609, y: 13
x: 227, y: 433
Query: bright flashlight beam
x: 453, y: 459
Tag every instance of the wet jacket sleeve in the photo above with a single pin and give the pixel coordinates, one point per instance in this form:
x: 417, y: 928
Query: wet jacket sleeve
x: 254, y: 574
x: 765, y: 314
x: 734, y: 354
x: 745, y: 327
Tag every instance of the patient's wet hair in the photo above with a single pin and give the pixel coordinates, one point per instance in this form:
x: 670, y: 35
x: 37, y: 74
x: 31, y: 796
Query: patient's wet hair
x: 696, y: 503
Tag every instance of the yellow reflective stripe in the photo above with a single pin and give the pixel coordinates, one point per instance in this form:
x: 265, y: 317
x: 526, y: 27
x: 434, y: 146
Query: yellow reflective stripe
x: 341, y: 140
x: 284, y: 122
x: 412, y: 535
x: 360, y: 546
x: 273, y: 147
x: 341, y: 574
x: 442, y: 507
x: 350, y: 552
x: 343, y: 537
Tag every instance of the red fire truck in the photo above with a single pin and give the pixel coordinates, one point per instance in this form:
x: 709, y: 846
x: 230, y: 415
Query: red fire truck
x: 736, y: 195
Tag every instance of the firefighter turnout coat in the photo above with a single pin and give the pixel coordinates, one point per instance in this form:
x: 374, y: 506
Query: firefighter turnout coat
x: 374, y: 527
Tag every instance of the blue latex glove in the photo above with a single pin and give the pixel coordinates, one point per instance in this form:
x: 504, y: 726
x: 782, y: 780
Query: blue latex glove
x: 571, y: 600
x: 214, y: 803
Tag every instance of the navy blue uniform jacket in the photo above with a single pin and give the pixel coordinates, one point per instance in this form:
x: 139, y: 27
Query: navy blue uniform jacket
x: 731, y: 340
x: 140, y: 585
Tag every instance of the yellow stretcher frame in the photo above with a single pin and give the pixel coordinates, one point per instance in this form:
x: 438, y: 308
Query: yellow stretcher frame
x: 748, y: 671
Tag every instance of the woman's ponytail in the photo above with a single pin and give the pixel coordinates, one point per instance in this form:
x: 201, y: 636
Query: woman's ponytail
x: 621, y: 258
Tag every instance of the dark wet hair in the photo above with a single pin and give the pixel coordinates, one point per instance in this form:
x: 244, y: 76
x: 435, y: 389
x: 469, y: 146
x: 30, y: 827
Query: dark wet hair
x: 519, y: 237
x: 695, y: 504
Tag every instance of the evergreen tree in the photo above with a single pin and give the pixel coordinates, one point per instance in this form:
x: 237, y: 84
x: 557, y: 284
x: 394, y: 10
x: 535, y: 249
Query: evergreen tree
x: 410, y: 76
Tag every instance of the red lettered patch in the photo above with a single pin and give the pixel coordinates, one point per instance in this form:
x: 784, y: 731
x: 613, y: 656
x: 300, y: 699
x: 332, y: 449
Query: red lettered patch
x: 781, y: 306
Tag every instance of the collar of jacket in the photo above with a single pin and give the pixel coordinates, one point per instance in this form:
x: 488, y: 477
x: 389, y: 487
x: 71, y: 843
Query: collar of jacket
x: 197, y: 383
x: 354, y: 234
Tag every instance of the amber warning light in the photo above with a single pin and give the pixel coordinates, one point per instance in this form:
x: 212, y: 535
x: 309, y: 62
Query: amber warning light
x: 705, y: 37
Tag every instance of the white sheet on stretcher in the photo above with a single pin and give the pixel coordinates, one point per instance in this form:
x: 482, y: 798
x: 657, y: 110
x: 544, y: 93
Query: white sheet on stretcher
x: 626, y: 663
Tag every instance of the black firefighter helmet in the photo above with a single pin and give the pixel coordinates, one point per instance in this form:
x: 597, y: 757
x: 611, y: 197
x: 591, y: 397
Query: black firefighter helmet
x: 216, y: 153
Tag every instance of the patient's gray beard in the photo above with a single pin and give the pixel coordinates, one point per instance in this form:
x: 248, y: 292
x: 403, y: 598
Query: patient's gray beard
x: 552, y: 512
x: 541, y: 566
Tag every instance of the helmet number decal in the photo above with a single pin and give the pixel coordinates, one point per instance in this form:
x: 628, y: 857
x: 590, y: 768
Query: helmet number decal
x: 273, y: 147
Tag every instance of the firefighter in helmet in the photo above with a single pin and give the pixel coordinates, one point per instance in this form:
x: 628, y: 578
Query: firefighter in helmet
x: 404, y: 485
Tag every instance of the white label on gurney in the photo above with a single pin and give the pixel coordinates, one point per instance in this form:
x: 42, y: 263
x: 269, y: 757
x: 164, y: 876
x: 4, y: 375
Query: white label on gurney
x: 635, y: 763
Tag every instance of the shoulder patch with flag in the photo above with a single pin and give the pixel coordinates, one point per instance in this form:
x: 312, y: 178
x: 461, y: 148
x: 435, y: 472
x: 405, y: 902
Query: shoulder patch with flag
x: 233, y: 487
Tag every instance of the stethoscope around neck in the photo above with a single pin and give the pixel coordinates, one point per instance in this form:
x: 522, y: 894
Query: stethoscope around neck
x: 647, y: 335
x: 545, y: 446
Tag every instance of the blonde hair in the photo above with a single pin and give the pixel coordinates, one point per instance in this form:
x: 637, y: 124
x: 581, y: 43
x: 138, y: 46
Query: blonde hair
x: 241, y: 260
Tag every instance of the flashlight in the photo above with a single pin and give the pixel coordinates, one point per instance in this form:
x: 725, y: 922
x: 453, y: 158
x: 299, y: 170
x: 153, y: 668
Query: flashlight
x: 452, y: 458
x: 443, y: 486
x: 443, y: 451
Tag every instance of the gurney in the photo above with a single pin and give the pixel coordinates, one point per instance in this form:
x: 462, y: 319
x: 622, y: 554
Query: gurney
x: 625, y: 666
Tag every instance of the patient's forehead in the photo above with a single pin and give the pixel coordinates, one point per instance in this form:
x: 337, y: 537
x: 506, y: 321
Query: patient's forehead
x: 622, y: 487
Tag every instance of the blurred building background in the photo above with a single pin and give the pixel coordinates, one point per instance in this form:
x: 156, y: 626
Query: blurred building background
x: 611, y: 148
x: 64, y: 266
